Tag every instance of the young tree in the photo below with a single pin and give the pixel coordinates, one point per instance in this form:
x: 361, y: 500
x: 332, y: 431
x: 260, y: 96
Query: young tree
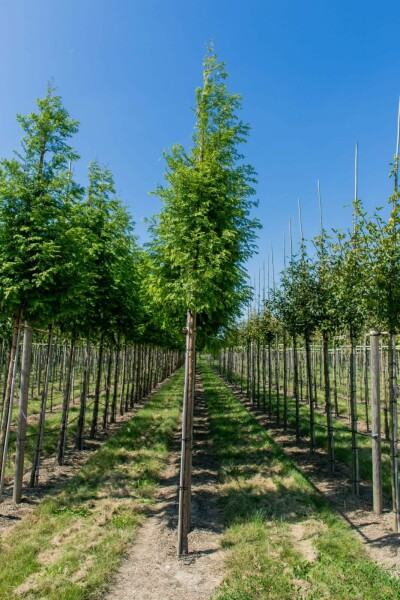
x: 327, y: 324
x: 349, y: 268
x: 297, y: 303
x: 384, y: 297
x: 203, y: 236
x: 36, y: 194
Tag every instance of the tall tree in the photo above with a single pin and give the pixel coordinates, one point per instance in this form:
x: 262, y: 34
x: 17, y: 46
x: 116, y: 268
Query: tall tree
x: 384, y: 296
x: 204, y: 235
x: 36, y: 195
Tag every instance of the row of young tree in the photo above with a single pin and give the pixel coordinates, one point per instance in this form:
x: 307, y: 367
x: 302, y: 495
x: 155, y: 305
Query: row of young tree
x: 348, y: 288
x: 73, y: 291
x: 70, y: 269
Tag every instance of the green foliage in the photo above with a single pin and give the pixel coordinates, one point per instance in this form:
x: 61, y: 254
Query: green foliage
x: 205, y: 233
x: 37, y: 193
x: 324, y: 260
x: 384, y: 267
x: 297, y: 302
x: 350, y: 270
x: 109, y: 267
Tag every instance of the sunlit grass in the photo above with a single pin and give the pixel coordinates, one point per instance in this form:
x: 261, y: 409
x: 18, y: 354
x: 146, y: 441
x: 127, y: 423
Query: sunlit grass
x: 342, y: 435
x: 283, y: 540
x: 70, y: 546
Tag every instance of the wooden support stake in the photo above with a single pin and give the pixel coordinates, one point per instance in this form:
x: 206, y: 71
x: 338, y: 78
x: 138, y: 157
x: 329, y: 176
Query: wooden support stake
x: 376, y: 422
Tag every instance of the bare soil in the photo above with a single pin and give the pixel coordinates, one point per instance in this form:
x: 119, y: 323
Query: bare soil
x: 152, y: 570
x: 375, y: 531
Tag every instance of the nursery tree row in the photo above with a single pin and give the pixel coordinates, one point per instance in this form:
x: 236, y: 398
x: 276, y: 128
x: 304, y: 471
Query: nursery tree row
x: 330, y: 327
x: 73, y: 295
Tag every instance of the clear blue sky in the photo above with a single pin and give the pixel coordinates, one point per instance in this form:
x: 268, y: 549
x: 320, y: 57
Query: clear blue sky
x: 316, y: 77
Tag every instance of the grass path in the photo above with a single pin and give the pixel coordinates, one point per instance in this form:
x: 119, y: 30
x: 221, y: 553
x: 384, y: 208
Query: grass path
x: 151, y: 569
x: 283, y: 540
x: 71, y: 545
x: 342, y: 435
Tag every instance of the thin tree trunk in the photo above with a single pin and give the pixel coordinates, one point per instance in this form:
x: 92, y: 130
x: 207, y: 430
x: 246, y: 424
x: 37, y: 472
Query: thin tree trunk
x: 36, y: 461
x: 376, y: 424
x: 62, y: 438
x: 138, y: 393
x: 187, y: 435
x: 22, y: 413
x: 393, y: 422
x: 116, y: 380
x: 121, y: 401
x: 296, y: 386
x: 8, y: 399
x: 354, y: 416
x: 335, y: 391
x: 264, y: 382
x: 133, y: 383
x: 83, y: 400
x: 95, y: 416
x: 269, y: 380
x: 328, y: 404
x: 277, y: 382
x: 365, y: 378
x: 310, y: 393
x: 285, y: 380
x: 258, y: 372
x: 108, y: 388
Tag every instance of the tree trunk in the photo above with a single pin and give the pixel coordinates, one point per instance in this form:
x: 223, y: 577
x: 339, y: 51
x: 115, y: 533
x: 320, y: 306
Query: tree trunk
x: 365, y: 379
x: 116, y: 380
x: 310, y: 393
x: 393, y: 423
x: 83, y: 400
x: 36, y: 461
x: 8, y: 399
x: 108, y: 388
x: 277, y: 382
x: 22, y: 413
x: 335, y: 392
x: 376, y: 424
x: 269, y: 380
x: 138, y: 393
x: 296, y: 386
x: 133, y: 382
x: 285, y: 380
x: 95, y: 416
x: 328, y: 404
x: 187, y: 434
x: 62, y: 437
x: 122, y: 396
x: 354, y: 415
x: 264, y: 377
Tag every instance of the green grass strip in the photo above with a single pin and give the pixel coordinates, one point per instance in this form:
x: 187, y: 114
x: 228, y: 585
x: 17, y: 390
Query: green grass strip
x: 284, y: 540
x: 70, y: 546
x: 343, y: 439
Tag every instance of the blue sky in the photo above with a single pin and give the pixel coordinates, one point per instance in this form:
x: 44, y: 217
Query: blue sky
x: 316, y: 77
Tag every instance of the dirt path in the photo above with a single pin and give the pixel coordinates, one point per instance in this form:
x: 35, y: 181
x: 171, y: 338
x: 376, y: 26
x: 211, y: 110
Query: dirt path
x: 152, y: 571
x: 375, y: 532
